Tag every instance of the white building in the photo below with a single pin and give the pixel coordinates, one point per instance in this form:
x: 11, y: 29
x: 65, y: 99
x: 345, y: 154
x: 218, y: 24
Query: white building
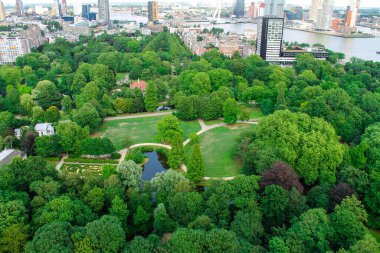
x: 44, y: 129
x: 2, y: 11
x: 275, y: 8
x: 104, y: 11
x: 269, y: 38
x: 12, y: 47
x: 325, y: 15
x: 315, y: 5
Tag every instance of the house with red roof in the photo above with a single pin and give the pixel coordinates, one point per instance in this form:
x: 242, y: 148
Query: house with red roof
x: 140, y: 84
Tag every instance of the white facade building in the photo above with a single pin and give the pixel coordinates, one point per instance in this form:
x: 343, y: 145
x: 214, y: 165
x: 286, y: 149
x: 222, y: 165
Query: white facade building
x: 104, y: 11
x: 44, y: 129
x: 325, y: 15
x: 13, y: 47
x: 275, y: 8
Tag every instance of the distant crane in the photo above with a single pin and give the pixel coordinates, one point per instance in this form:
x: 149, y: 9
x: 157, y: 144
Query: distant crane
x: 216, y: 16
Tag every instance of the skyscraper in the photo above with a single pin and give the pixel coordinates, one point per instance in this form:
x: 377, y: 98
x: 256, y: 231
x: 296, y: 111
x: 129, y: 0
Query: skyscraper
x: 315, y: 5
x: 86, y: 11
x: 104, y: 11
x: 352, y: 13
x: 275, y: 8
x: 269, y: 38
x: 152, y: 11
x: 20, y: 8
x: 2, y: 11
x: 56, y: 9
x: 64, y: 7
x: 252, y: 11
x: 324, y: 15
x: 239, y: 8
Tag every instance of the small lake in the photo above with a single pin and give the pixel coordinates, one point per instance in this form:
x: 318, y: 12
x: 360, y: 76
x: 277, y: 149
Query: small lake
x: 157, y: 163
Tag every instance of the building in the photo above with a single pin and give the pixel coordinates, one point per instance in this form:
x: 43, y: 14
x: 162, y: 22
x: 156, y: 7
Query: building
x: 352, y: 13
x: 19, y: 8
x: 56, y: 9
x: 152, y: 11
x: 12, y: 47
x: 315, y: 6
x: 325, y: 15
x: 44, y: 129
x: 34, y: 36
x: 239, y: 8
x: 252, y: 10
x: 64, y: 8
x: 140, y: 84
x: 274, y: 8
x: 261, y: 9
x: 2, y: 11
x: 270, y: 31
x: 86, y: 11
x: 104, y: 11
x: 7, y: 156
x: 269, y: 38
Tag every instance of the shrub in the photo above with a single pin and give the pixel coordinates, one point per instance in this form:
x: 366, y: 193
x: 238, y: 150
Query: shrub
x: 97, y: 146
x: 136, y: 155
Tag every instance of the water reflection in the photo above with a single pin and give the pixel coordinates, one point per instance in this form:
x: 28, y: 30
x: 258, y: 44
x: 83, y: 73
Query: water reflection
x: 157, y: 163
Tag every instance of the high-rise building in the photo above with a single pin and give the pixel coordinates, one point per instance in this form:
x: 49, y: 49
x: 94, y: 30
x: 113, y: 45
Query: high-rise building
x: 152, y: 11
x: 12, y: 47
x: 56, y: 9
x: 64, y: 7
x: 239, y: 8
x: 2, y: 11
x: 325, y: 15
x: 86, y: 11
x: 275, y: 8
x: 315, y: 5
x: 352, y: 13
x: 261, y: 9
x: 252, y: 10
x: 104, y: 11
x: 269, y: 38
x: 20, y: 8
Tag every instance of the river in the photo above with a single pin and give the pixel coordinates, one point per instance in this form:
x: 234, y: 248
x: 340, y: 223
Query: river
x: 364, y: 48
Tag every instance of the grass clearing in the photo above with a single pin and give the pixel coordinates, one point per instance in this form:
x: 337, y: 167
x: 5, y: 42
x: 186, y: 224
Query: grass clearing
x: 216, y: 146
x: 256, y: 113
x: 120, y: 76
x: 141, y: 130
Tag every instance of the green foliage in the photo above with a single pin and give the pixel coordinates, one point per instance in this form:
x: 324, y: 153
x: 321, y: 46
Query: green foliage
x: 46, y: 94
x: 196, y: 167
x: 71, y: 135
x: 184, y: 207
x: 151, y: 100
x: 230, y: 111
x: 162, y: 222
x: 87, y: 115
x: 168, y: 128
x: 97, y: 146
x: 176, y: 154
x: 130, y: 173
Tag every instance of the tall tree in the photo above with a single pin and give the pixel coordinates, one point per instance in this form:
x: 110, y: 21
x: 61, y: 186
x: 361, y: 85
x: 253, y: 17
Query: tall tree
x: 176, y: 154
x: 196, y: 167
x: 230, y: 111
x: 151, y: 99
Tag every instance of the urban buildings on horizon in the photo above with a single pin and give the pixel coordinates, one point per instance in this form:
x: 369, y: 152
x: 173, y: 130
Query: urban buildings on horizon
x: 152, y: 11
x: 104, y: 11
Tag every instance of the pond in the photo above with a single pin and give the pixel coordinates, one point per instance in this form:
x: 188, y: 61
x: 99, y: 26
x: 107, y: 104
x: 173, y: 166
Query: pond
x: 157, y: 163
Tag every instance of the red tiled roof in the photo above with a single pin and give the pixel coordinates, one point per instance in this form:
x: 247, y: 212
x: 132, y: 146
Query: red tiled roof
x: 139, y: 85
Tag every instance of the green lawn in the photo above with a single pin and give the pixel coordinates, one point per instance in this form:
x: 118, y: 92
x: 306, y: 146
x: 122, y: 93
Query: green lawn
x: 255, y: 113
x: 216, y: 146
x: 141, y: 130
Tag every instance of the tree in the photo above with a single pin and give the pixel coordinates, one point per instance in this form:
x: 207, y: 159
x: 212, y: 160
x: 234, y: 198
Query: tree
x: 87, y: 115
x: 28, y: 142
x: 168, y: 127
x: 38, y: 114
x: 140, y: 245
x: 162, y: 222
x: 292, y: 138
x: 46, y: 146
x: 357, y: 154
x: 222, y: 240
x: 97, y: 146
x: 95, y: 199
x: 106, y: 234
x: 184, y: 207
x: 120, y: 210
x: 366, y: 245
x: 53, y: 237
x: 46, y: 94
x: 151, y: 100
x: 277, y: 245
x: 196, y: 167
x: 340, y: 192
x: 14, y: 238
x: 67, y: 104
x: 71, y: 135
x: 281, y: 174
x: 188, y: 240
x: 52, y: 114
x: 176, y: 154
x: 230, y: 111
x: 247, y: 223
x: 141, y: 220
x: 130, y: 173
x: 7, y: 121
x: 274, y: 202
x: 200, y: 84
x: 12, y: 99
x: 11, y: 212
x: 27, y: 103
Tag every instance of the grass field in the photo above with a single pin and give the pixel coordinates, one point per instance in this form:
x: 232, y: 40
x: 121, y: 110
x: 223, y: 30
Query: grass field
x: 216, y: 146
x: 141, y: 130
x: 255, y: 113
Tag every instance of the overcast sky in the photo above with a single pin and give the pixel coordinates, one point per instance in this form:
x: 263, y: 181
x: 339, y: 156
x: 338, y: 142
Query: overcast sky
x: 365, y: 3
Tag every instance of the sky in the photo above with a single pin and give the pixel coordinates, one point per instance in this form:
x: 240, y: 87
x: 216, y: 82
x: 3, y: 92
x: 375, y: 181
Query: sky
x: 364, y: 3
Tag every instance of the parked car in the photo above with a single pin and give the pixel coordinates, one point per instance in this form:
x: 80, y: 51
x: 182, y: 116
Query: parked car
x: 163, y: 108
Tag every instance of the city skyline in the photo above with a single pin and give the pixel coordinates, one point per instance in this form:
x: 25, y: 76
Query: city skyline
x: 364, y: 3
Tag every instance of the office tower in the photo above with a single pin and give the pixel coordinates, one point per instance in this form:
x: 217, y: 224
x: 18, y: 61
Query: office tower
x: 352, y: 13
x: 261, y: 9
x: 252, y: 11
x: 20, y: 8
x: 86, y: 11
x: 239, y: 8
x: 2, y: 11
x: 315, y: 5
x: 324, y: 15
x: 269, y: 38
x: 104, y: 11
x: 64, y: 7
x: 275, y: 8
x: 152, y: 11
x: 12, y: 47
x: 56, y: 9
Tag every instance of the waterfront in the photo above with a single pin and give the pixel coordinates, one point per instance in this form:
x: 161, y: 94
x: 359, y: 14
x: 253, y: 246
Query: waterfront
x: 364, y: 48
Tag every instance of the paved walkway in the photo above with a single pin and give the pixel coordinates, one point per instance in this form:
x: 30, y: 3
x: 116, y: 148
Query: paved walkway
x: 59, y: 165
x: 136, y: 116
x: 204, y: 128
